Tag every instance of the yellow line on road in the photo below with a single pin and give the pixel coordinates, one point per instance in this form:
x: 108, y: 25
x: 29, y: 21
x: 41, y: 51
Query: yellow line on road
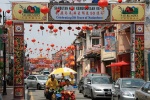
x: 31, y: 95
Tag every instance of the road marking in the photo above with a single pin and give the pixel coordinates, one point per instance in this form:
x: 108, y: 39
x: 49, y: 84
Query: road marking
x: 31, y: 95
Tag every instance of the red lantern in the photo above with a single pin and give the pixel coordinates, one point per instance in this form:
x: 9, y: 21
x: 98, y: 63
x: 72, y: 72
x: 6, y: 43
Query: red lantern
x: 90, y: 28
x: 33, y: 40
x: 9, y: 22
x: 119, y: 1
x: 48, y: 49
x: 86, y: 7
x: 8, y: 11
x: 60, y: 28
x: 103, y: 3
x: 30, y: 25
x: 69, y: 28
x: 44, y: 10
x: 19, y: 11
x: 50, y: 26
x: 41, y: 27
x: 72, y: 47
x: 72, y: 8
x: 40, y: 49
x: 84, y: 27
x: 0, y: 10
x: 55, y: 30
x: 78, y: 28
x: 52, y: 45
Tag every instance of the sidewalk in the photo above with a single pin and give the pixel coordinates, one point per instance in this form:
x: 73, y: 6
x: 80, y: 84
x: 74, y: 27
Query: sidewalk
x: 10, y: 94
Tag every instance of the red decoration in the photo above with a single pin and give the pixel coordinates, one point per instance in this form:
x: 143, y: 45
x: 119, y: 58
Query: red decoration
x: 103, y: 3
x: 60, y: 28
x: 72, y: 8
x: 86, y: 7
x: 84, y: 27
x: 120, y: 1
x: 40, y: 49
x: 30, y: 25
x: 52, y: 45
x: 48, y: 49
x: 0, y: 10
x: 8, y: 11
x: 9, y: 22
x: 41, y: 27
x: 57, y: 10
x: 33, y: 40
x: 19, y: 11
x: 72, y: 47
x: 78, y: 28
x: 50, y: 26
x: 55, y: 30
x: 69, y: 28
x: 44, y: 10
x: 90, y: 28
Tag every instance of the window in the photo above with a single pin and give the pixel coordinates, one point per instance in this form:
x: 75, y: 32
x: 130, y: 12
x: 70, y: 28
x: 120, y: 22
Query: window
x: 30, y: 77
x: 95, y: 41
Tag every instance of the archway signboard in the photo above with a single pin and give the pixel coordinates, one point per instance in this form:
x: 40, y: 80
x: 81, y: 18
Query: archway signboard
x: 76, y: 14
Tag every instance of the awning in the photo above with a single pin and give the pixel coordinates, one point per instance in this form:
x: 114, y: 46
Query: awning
x: 118, y: 64
x: 79, y: 58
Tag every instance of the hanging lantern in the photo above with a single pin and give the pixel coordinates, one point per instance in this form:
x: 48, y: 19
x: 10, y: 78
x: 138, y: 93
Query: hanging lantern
x: 71, y: 57
x: 46, y: 30
x: 90, y: 28
x: 29, y: 29
x: 33, y: 40
x: 69, y: 28
x: 40, y: 49
x: 96, y: 27
x: 0, y: 10
x: 19, y: 11
x: 41, y: 27
x: 72, y: 63
x: 44, y: 10
x: 72, y: 47
x: 9, y: 22
x: 106, y: 27
x: 119, y: 1
x: 50, y: 26
x: 60, y: 28
x: 71, y: 8
x: 103, y: 3
x: 30, y: 25
x: 86, y: 7
x: 78, y: 28
x: 114, y: 28
x: 52, y: 45
x: 55, y: 30
x: 84, y: 27
x: 48, y: 49
x: 38, y: 30
x: 8, y: 11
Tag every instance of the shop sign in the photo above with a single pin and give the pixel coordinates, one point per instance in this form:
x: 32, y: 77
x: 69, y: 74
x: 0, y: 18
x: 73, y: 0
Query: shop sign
x: 29, y: 11
x: 128, y: 12
x: 93, y: 14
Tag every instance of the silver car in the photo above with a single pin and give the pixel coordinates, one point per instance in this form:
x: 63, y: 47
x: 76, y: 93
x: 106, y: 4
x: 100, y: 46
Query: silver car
x: 125, y: 88
x: 35, y: 81
x: 144, y: 92
x: 98, y: 87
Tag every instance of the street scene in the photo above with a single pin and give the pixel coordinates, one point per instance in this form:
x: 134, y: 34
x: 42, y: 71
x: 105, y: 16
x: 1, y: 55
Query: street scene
x: 74, y: 50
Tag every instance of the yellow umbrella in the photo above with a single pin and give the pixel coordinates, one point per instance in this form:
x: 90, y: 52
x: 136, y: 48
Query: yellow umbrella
x: 65, y: 71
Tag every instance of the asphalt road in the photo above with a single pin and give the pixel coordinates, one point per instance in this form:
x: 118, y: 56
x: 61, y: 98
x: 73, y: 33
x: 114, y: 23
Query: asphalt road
x: 39, y: 95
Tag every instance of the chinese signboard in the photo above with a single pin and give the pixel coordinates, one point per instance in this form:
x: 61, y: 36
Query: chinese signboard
x: 80, y: 14
x: 18, y: 60
x: 128, y: 12
x: 110, y: 42
x: 28, y: 11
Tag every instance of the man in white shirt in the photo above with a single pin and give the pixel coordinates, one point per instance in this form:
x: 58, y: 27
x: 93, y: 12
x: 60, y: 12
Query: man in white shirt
x: 68, y: 86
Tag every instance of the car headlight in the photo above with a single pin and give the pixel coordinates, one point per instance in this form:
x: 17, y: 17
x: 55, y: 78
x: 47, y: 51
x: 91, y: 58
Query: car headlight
x: 127, y: 94
x: 97, y: 89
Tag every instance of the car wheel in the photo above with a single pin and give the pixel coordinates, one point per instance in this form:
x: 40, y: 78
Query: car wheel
x: 84, y: 93
x: 38, y: 86
x: 92, y: 97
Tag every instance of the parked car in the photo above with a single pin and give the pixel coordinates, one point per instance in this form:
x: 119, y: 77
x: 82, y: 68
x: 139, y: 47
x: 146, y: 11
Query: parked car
x: 96, y: 74
x: 125, y: 88
x: 144, y: 92
x: 45, y: 72
x: 98, y: 87
x: 35, y: 81
x: 81, y: 84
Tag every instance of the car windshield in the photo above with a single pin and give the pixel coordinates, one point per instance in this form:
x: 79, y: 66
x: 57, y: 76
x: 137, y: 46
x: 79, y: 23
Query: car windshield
x: 42, y: 77
x: 46, y: 73
x: 101, y: 80
x: 132, y: 83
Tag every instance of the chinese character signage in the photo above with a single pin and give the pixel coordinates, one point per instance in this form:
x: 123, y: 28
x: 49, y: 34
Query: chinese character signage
x: 128, y: 12
x: 28, y: 11
x: 18, y: 60
x: 110, y: 42
x: 94, y: 13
